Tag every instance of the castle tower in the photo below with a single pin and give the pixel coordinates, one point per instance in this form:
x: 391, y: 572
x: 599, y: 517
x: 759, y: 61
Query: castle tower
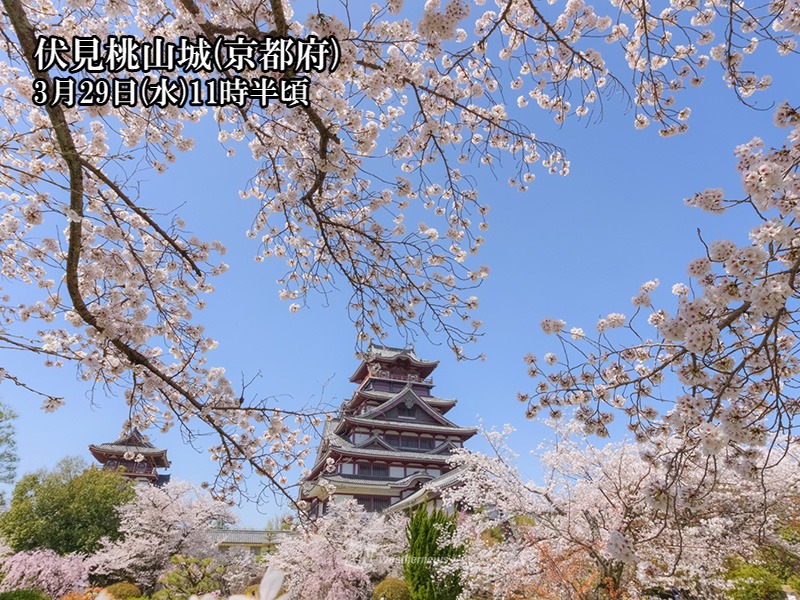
x: 139, y: 459
x: 389, y: 439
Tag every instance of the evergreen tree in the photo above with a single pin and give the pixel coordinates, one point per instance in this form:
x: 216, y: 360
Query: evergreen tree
x: 68, y: 509
x: 8, y: 448
x: 428, y: 555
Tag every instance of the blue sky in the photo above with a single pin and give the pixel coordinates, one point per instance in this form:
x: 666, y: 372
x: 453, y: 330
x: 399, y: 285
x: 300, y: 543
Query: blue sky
x: 574, y: 247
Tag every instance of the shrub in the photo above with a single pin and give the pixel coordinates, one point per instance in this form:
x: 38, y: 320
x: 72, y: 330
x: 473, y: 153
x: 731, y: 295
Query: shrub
x: 124, y: 591
x: 24, y: 595
x: 752, y: 582
x: 392, y: 588
x: 89, y: 594
x: 189, y: 577
x: 794, y: 582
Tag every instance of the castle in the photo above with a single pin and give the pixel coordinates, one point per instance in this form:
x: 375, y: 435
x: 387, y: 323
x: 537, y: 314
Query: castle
x: 389, y: 439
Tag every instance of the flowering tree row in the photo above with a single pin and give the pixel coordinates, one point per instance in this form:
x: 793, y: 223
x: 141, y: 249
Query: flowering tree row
x: 598, y: 525
x: 156, y: 525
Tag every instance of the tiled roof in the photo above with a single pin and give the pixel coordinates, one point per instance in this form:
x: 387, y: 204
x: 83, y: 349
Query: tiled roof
x: 336, y: 442
x: 247, y: 536
x: 411, y: 425
x: 344, y: 480
x: 381, y: 395
x: 403, y: 396
x: 372, y: 452
x: 120, y: 449
x: 431, y: 489
x: 133, y: 442
x: 390, y: 354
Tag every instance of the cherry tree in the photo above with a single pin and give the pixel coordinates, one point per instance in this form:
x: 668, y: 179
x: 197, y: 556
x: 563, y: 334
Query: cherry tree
x: 597, y: 526
x: 341, y: 555
x: 44, y: 570
x: 413, y: 94
x: 157, y: 524
x: 711, y: 380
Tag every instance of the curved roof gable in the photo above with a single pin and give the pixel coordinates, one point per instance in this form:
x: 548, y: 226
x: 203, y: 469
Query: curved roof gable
x: 388, y: 354
x: 133, y: 442
x: 408, y: 396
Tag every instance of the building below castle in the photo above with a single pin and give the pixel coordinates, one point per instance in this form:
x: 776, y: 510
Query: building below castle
x: 389, y: 439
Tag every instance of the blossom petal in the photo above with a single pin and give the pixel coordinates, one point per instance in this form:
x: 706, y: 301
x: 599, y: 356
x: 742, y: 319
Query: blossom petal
x: 271, y: 584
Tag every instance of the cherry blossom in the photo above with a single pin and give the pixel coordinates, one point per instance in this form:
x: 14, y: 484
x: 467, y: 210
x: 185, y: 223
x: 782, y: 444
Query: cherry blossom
x: 711, y: 380
x: 44, y: 570
x: 418, y: 92
x: 599, y: 521
x: 157, y: 524
x: 343, y: 554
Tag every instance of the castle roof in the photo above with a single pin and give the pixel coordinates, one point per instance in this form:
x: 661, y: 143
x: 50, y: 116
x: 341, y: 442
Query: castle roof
x: 431, y: 489
x: 133, y: 442
x: 377, y: 422
x: 387, y: 354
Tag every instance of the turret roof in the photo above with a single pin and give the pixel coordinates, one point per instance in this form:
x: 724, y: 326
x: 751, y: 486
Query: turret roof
x: 133, y: 442
x: 387, y: 354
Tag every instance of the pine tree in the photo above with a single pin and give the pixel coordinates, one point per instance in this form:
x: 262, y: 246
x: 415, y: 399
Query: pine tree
x: 423, y: 565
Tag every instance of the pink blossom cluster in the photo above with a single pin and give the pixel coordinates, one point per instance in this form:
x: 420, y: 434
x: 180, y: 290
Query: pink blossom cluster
x: 604, y: 516
x: 157, y: 524
x: 340, y: 555
x: 728, y: 344
x: 44, y: 570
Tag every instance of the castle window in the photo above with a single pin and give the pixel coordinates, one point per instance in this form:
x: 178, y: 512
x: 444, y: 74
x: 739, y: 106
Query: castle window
x: 426, y: 443
x: 392, y: 440
x: 374, y: 503
x: 407, y: 441
x: 408, y: 412
x: 369, y: 470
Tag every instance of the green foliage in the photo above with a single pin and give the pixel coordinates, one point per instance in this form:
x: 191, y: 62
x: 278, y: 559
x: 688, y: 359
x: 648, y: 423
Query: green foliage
x: 524, y: 521
x: 779, y: 561
x: 422, y: 565
x: 493, y: 535
x: 188, y: 577
x: 67, y: 509
x: 754, y: 582
x: 794, y: 583
x: 392, y: 588
x: 791, y: 533
x: 8, y: 447
x: 124, y: 591
x: 24, y: 595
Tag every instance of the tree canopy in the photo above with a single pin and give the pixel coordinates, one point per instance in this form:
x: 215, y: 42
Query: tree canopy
x: 8, y: 446
x: 407, y: 100
x: 68, y: 510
